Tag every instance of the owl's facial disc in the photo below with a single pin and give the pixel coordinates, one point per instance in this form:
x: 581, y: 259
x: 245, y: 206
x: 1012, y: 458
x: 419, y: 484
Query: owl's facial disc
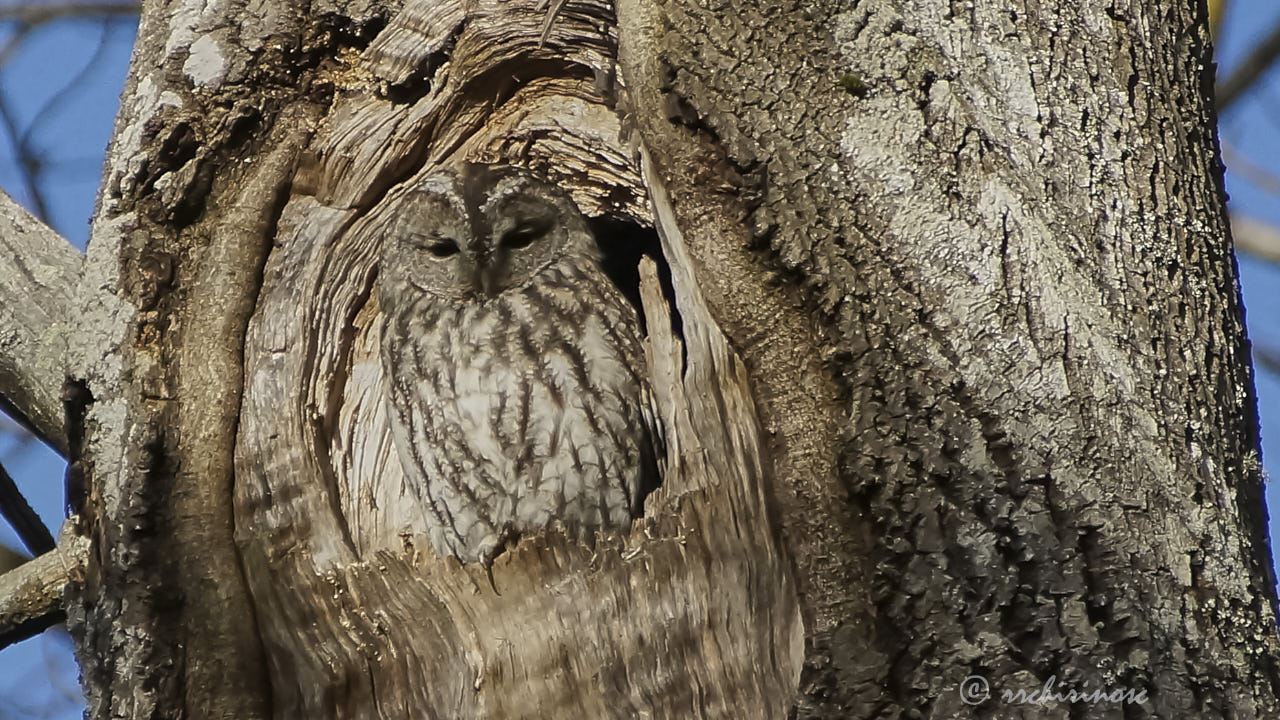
x: 509, y: 253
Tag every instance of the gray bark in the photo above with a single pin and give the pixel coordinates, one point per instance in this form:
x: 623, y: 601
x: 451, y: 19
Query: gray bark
x: 1008, y: 222
x: 38, y: 279
x: 962, y: 389
x: 31, y: 593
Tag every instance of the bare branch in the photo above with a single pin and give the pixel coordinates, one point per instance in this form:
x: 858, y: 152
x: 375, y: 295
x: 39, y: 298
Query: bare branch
x: 74, y: 85
x: 31, y: 594
x: 1255, y: 237
x: 1242, y: 166
x: 39, y: 271
x: 37, y: 13
x: 1267, y: 359
x: 1263, y: 56
x: 14, y: 42
x: 28, y: 162
x: 24, y: 521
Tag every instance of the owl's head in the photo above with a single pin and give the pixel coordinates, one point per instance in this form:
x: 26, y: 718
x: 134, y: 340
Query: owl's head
x: 481, y: 230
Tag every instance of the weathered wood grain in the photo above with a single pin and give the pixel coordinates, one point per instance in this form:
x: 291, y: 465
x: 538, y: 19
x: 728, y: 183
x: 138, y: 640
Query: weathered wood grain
x: 353, y: 608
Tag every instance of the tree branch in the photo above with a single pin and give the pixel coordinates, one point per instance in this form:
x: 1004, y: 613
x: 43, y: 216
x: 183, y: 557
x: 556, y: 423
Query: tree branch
x: 1244, y: 77
x: 39, y: 271
x: 28, y: 162
x: 1255, y: 237
x: 37, y: 13
x: 1267, y: 359
x: 31, y: 594
x: 24, y: 521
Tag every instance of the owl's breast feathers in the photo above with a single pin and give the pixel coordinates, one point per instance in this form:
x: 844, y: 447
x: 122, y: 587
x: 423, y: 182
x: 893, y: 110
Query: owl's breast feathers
x: 526, y: 409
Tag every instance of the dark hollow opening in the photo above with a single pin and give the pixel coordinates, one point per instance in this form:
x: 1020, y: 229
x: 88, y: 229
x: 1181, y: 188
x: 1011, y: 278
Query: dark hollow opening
x: 622, y: 245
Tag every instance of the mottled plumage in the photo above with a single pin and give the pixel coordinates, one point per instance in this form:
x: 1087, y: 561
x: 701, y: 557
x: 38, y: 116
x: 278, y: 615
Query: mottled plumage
x: 518, y: 391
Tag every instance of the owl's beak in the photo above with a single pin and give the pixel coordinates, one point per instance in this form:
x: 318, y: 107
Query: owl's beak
x: 484, y: 276
x: 485, y: 281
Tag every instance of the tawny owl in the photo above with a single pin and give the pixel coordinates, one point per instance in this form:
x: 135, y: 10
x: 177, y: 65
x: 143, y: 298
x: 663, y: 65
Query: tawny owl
x: 518, y: 392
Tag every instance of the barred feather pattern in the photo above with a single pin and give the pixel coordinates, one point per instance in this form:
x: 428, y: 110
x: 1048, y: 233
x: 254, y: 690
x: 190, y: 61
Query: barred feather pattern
x: 513, y: 412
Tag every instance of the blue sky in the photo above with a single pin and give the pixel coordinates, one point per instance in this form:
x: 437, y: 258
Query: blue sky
x: 38, y: 676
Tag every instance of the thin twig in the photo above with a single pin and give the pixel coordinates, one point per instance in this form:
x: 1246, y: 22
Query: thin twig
x: 14, y: 42
x: 29, y: 159
x: 1244, y: 77
x: 94, y: 63
x: 1240, y: 164
x: 1267, y: 359
x: 1256, y: 237
x: 37, y: 13
x: 30, y: 164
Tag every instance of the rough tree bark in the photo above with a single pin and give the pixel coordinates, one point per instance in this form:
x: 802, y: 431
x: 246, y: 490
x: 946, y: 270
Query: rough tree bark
x: 961, y: 388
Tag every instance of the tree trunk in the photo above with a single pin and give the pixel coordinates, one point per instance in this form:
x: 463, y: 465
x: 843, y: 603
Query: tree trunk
x: 960, y: 388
